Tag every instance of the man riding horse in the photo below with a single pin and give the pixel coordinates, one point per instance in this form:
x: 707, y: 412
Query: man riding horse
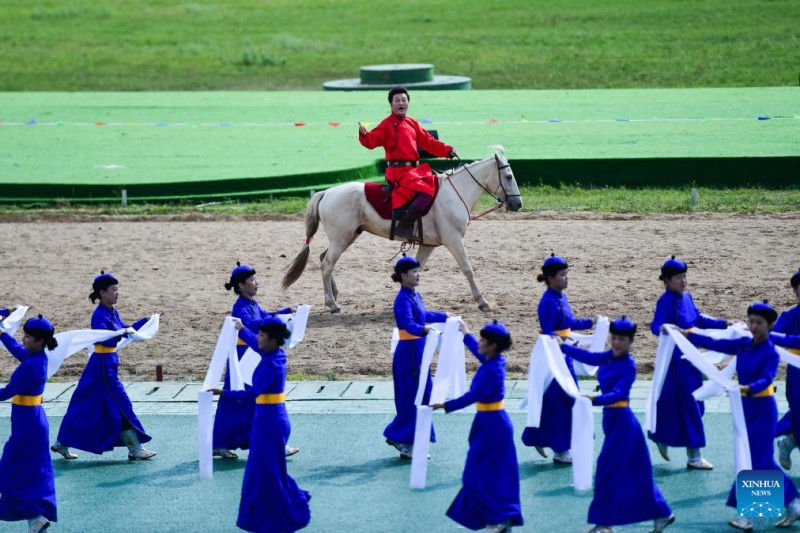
x: 400, y: 135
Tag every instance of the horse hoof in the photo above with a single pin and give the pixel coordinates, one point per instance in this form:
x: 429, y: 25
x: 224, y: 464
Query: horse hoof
x: 485, y: 308
x: 336, y: 310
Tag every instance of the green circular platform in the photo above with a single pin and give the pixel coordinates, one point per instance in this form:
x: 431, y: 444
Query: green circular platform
x: 412, y: 75
x: 394, y: 74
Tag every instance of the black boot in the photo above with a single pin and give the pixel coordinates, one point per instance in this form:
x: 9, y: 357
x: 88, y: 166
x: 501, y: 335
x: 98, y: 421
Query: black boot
x: 405, y: 226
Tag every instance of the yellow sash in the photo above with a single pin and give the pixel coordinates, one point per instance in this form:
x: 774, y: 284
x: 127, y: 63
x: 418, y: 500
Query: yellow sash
x: 28, y: 401
x: 769, y: 391
x: 271, y: 398
x: 496, y: 406
x: 406, y: 336
x: 563, y: 332
x: 621, y: 403
x: 99, y: 348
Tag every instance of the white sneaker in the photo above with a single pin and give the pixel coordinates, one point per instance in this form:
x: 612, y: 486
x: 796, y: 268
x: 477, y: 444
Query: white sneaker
x: 699, y: 464
x: 563, y: 458
x: 290, y: 451
x: 38, y: 524
x: 140, y: 454
x: 63, y: 450
x: 742, y: 523
x: 660, y: 524
x: 225, y: 453
x: 785, y: 448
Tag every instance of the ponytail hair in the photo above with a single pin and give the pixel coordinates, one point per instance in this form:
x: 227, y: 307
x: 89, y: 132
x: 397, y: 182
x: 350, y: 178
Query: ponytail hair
x: 51, y: 343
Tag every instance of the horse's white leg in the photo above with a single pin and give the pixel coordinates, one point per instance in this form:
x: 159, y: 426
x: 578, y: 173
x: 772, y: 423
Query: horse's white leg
x: 456, y: 247
x: 423, y: 253
x: 335, y: 249
x: 334, y: 288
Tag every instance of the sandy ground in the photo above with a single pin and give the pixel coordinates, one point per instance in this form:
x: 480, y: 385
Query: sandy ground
x: 178, y: 267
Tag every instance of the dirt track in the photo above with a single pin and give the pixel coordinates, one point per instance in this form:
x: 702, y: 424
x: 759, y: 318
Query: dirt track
x: 177, y: 267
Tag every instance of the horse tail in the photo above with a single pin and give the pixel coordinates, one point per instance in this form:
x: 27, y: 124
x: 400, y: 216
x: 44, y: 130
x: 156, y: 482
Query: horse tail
x: 298, y: 265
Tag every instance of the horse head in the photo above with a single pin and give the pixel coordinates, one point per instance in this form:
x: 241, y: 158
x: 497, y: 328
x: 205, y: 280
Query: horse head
x: 504, y: 184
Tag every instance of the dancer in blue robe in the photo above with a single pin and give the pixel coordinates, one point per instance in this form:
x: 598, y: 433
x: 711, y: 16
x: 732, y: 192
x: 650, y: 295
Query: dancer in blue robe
x: 411, y: 317
x: 489, y: 497
x: 556, y: 318
x: 624, y: 489
x: 271, y: 500
x: 756, y: 368
x: 27, y: 486
x: 233, y: 420
x: 789, y: 426
x: 100, y: 416
x: 679, y: 415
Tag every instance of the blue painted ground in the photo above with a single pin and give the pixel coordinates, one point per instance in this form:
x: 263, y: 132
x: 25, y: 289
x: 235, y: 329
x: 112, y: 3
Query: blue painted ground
x: 357, y: 482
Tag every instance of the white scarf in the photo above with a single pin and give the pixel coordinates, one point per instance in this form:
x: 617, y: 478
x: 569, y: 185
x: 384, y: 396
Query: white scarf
x: 449, y: 382
x: 596, y: 342
x: 12, y: 321
x: 224, y: 352
x: 666, y: 345
x: 74, y: 341
x: 741, y: 445
x: 546, y: 364
x: 296, y: 323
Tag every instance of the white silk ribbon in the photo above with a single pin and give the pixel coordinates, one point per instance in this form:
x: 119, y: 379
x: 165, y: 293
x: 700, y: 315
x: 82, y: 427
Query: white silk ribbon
x: 224, y: 352
x: 205, y: 432
x: 72, y: 342
x: 741, y: 445
x: 546, y: 364
x: 666, y: 345
x: 449, y: 382
x: 12, y: 321
x: 596, y: 342
x: 422, y: 443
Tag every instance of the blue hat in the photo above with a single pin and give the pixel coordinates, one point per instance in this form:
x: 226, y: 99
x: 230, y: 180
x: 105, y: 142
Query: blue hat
x: 671, y: 267
x: 274, y: 327
x: 623, y: 326
x: 404, y: 264
x: 553, y: 265
x: 497, y: 333
x: 104, y: 281
x: 240, y: 274
x: 763, y: 309
x: 39, y: 327
x: 795, y: 279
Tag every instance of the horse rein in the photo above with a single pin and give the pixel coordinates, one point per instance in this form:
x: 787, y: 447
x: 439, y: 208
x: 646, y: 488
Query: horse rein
x: 500, y: 203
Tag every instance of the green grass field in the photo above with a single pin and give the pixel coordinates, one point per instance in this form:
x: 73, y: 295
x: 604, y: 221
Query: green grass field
x: 78, y: 45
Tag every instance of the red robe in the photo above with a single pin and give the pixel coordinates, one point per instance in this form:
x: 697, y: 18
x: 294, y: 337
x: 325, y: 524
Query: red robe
x: 400, y: 137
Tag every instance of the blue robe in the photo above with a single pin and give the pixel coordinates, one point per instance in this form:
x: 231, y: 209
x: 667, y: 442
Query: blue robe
x: 27, y: 486
x: 555, y: 427
x: 680, y: 416
x: 271, y: 500
x: 100, y: 409
x: 756, y: 366
x: 789, y: 324
x: 4, y: 312
x: 490, y: 491
x: 624, y: 489
x: 233, y: 420
x: 410, y: 315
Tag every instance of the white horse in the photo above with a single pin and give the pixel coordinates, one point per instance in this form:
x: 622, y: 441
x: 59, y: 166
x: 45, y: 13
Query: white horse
x: 345, y: 213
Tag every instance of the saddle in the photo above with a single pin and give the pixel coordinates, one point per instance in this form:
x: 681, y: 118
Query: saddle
x: 379, y: 197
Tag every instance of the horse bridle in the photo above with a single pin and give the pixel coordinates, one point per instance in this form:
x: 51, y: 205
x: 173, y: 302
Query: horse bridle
x: 500, y: 203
